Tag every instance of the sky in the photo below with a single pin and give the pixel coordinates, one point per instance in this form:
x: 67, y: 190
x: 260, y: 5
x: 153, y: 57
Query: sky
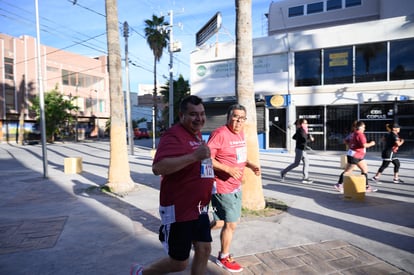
x: 79, y: 26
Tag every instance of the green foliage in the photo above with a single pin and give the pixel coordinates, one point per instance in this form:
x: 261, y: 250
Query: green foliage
x: 181, y: 89
x: 156, y: 35
x: 273, y: 207
x: 135, y: 123
x: 57, y: 111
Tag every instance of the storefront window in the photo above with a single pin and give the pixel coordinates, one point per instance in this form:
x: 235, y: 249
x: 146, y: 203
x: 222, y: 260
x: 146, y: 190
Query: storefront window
x: 308, y: 68
x: 338, y: 65
x: 401, y: 59
x: 315, y: 117
x: 371, y: 62
x: 338, y: 125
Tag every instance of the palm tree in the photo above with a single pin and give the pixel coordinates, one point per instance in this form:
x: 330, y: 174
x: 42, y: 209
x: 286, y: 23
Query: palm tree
x: 119, y: 177
x: 157, y: 39
x: 253, y: 197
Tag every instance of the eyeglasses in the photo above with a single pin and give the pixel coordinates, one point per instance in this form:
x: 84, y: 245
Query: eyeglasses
x: 239, y: 118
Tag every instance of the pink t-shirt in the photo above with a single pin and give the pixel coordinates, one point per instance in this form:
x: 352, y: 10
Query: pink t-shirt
x: 356, y: 144
x: 230, y: 149
x: 184, y: 189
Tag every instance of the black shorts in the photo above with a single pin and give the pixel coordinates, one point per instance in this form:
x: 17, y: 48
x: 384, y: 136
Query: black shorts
x: 352, y: 160
x: 177, y: 238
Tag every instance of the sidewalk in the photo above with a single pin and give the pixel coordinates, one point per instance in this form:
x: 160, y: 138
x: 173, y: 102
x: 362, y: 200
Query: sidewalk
x: 61, y: 225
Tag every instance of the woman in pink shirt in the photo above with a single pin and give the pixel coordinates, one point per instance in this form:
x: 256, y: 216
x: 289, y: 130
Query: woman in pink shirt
x: 358, y: 144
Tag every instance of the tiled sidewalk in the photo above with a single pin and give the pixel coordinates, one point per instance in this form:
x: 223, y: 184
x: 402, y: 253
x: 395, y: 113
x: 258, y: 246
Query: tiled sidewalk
x: 330, y: 257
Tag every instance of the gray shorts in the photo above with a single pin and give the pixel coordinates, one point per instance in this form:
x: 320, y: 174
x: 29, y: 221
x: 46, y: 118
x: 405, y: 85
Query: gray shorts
x: 227, y: 207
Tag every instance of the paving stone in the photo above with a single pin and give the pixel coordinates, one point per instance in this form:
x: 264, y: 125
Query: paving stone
x: 290, y: 252
x: 30, y: 234
x: 317, y: 263
x: 270, y: 260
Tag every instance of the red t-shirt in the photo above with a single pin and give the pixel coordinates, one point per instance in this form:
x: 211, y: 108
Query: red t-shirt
x: 230, y: 149
x: 184, y: 189
x: 356, y: 144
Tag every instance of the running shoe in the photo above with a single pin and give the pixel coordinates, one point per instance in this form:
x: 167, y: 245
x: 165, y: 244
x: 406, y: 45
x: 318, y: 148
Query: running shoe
x: 307, y: 181
x: 376, y: 180
x: 229, y: 264
x: 282, y: 177
x: 398, y: 181
x: 136, y: 269
x: 370, y: 189
x: 339, y: 187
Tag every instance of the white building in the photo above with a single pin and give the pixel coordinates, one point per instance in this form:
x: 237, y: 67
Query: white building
x: 330, y: 61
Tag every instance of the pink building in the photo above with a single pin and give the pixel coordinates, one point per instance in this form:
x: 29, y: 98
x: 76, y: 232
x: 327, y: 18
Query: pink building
x: 74, y: 76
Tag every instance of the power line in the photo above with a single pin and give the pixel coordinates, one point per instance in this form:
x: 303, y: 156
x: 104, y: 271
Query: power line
x: 47, y: 28
x: 75, y: 2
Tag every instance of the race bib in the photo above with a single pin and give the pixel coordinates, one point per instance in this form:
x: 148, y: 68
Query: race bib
x: 206, y: 169
x: 167, y: 214
x: 351, y: 153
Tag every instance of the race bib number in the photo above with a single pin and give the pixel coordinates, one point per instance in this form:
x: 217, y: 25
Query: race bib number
x: 207, y: 170
x: 351, y: 153
x: 241, y: 154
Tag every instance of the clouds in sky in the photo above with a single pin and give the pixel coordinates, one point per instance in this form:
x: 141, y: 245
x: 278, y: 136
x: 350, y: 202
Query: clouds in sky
x: 81, y: 28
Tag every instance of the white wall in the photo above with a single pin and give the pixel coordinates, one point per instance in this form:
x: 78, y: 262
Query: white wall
x: 210, y: 83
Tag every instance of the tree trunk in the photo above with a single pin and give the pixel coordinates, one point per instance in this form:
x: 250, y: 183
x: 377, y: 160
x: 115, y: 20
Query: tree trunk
x: 119, y: 177
x: 252, y: 195
x: 20, y: 138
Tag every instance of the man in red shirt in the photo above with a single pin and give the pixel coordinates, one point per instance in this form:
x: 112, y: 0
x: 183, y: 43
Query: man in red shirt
x: 229, y: 155
x: 186, y: 184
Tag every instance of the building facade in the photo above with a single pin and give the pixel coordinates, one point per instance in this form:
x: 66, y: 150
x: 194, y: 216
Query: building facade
x: 82, y: 79
x: 145, y: 104
x: 329, y: 61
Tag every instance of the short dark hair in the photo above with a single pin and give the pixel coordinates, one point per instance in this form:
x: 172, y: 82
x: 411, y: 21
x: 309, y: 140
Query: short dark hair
x: 235, y: 107
x: 358, y: 124
x: 193, y: 99
x: 300, y: 121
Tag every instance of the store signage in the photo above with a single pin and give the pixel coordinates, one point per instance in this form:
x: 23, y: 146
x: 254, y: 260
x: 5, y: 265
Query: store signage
x: 269, y: 64
x: 277, y: 100
x: 376, y: 114
x: 338, y: 59
x: 201, y: 70
x: 209, y: 29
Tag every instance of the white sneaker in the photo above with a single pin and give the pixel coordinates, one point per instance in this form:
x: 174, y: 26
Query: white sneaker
x: 282, y: 177
x: 339, y: 187
x: 370, y: 189
x: 376, y: 180
x: 398, y: 181
x: 136, y: 269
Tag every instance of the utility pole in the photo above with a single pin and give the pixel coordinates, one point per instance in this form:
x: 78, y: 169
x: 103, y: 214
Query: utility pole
x: 41, y: 94
x: 128, y: 97
x: 173, y: 47
x: 171, y: 90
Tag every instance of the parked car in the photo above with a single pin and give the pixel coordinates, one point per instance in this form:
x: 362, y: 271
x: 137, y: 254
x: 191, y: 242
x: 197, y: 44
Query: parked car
x: 141, y: 133
x: 33, y: 134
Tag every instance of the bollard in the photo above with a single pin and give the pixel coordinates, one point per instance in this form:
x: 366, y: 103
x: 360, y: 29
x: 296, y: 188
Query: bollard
x: 354, y: 187
x: 73, y: 165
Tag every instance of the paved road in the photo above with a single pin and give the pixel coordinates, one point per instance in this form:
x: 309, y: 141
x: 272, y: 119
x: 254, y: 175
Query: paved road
x: 62, y: 225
